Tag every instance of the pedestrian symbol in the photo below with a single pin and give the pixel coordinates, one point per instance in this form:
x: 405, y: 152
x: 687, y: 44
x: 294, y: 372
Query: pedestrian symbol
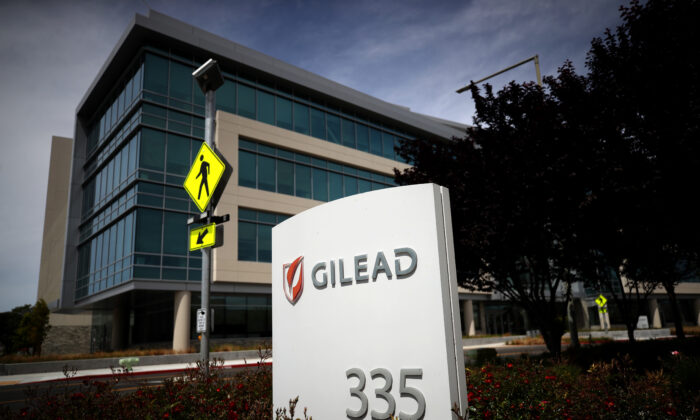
x: 204, y: 176
x: 203, y: 172
x: 203, y: 237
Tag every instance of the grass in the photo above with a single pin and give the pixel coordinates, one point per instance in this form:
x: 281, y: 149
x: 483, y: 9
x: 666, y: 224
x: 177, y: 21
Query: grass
x: 21, y: 358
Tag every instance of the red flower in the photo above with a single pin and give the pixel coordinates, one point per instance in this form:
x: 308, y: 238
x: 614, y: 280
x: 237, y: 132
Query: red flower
x: 510, y: 365
x: 550, y: 377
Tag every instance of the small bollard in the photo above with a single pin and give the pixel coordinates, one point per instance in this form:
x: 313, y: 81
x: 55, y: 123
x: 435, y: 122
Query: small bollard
x: 128, y: 363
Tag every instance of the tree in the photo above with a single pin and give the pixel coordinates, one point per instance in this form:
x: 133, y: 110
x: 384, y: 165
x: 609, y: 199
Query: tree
x: 9, y: 322
x: 646, y: 81
x: 33, y: 328
x: 516, y: 183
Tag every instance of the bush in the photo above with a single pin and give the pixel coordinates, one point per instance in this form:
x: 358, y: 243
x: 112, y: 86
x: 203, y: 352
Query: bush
x: 246, y: 396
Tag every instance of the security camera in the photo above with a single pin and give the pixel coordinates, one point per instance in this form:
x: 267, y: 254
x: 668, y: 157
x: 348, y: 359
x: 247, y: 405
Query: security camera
x: 209, y: 76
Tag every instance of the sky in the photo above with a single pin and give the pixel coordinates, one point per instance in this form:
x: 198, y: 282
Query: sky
x: 414, y: 53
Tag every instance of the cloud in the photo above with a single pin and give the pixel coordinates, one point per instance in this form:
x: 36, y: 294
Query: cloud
x: 415, y: 53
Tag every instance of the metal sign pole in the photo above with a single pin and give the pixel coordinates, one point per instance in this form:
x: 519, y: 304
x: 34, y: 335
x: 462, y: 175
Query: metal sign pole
x: 209, y: 109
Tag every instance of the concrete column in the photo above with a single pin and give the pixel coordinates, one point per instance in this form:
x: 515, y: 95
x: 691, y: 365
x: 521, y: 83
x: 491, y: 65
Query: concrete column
x: 604, y: 319
x: 584, y: 321
x: 181, y: 321
x: 697, y: 311
x: 119, y: 325
x: 468, y: 310
x: 482, y: 317
x: 654, y: 314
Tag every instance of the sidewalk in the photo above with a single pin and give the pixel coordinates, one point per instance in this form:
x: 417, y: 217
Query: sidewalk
x: 24, y: 373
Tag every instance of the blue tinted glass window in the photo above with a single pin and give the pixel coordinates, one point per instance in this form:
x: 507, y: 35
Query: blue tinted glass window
x: 247, y: 241
x: 247, y: 169
x: 320, y: 185
x: 226, y: 97
x: 284, y: 113
x: 301, y: 118
x: 350, y: 183
x: 120, y: 240
x: 175, y: 233
x: 148, y: 230
x: 285, y: 177
x: 318, y: 124
x: 178, y: 161
x: 180, y: 82
x: 246, y: 101
x: 348, y: 132
x: 266, y: 108
x: 303, y: 181
x: 362, y: 137
x: 152, y: 149
x: 375, y: 141
x: 156, y: 76
x: 387, y: 145
x: 264, y: 243
x: 266, y: 173
x: 128, y: 233
x: 335, y: 184
x: 363, y: 185
x: 333, y: 125
x: 124, y: 164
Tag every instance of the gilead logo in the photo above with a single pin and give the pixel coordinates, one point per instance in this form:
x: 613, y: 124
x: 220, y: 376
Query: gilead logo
x: 293, y: 280
x: 361, y: 268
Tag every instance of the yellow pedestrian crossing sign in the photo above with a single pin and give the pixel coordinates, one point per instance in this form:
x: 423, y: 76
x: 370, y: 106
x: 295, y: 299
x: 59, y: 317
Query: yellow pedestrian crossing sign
x: 203, y: 237
x: 204, y: 176
x: 601, y: 301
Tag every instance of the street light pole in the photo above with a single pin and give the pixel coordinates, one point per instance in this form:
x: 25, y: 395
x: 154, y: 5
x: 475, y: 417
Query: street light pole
x: 209, y: 78
x: 534, y: 58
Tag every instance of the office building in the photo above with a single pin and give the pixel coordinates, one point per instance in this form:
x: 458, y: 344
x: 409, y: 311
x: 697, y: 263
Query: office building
x: 115, y: 260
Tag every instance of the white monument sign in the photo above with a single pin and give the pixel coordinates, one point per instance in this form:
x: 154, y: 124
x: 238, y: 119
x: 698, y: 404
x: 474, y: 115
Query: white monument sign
x: 364, y: 308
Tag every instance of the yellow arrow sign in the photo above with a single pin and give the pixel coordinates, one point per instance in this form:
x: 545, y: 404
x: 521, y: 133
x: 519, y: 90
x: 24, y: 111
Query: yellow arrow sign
x: 203, y: 237
x: 204, y: 176
x: 601, y: 301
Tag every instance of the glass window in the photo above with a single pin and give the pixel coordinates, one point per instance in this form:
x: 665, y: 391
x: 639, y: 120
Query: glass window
x: 285, y: 177
x: 266, y: 173
x: 303, y: 181
x: 128, y: 93
x: 350, y: 184
x: 124, y: 164
x: 247, y: 238
x: 264, y: 243
x: 120, y: 240
x: 362, y: 137
x: 117, y: 168
x: 178, y: 154
x: 318, y: 124
x: 246, y: 171
x: 246, y: 101
x: 375, y: 141
x: 335, y: 185
x: 333, y: 124
x: 388, y: 145
x: 156, y: 76
x: 363, y: 185
x: 301, y: 118
x: 397, y: 145
x: 152, y: 149
x: 133, y: 154
x: 284, y: 113
x: 180, y: 82
x: 148, y: 230
x: 128, y: 233
x: 266, y: 107
x: 226, y: 97
x: 247, y: 214
x: 113, y: 244
x: 105, y: 248
x: 175, y: 233
x: 348, y: 133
